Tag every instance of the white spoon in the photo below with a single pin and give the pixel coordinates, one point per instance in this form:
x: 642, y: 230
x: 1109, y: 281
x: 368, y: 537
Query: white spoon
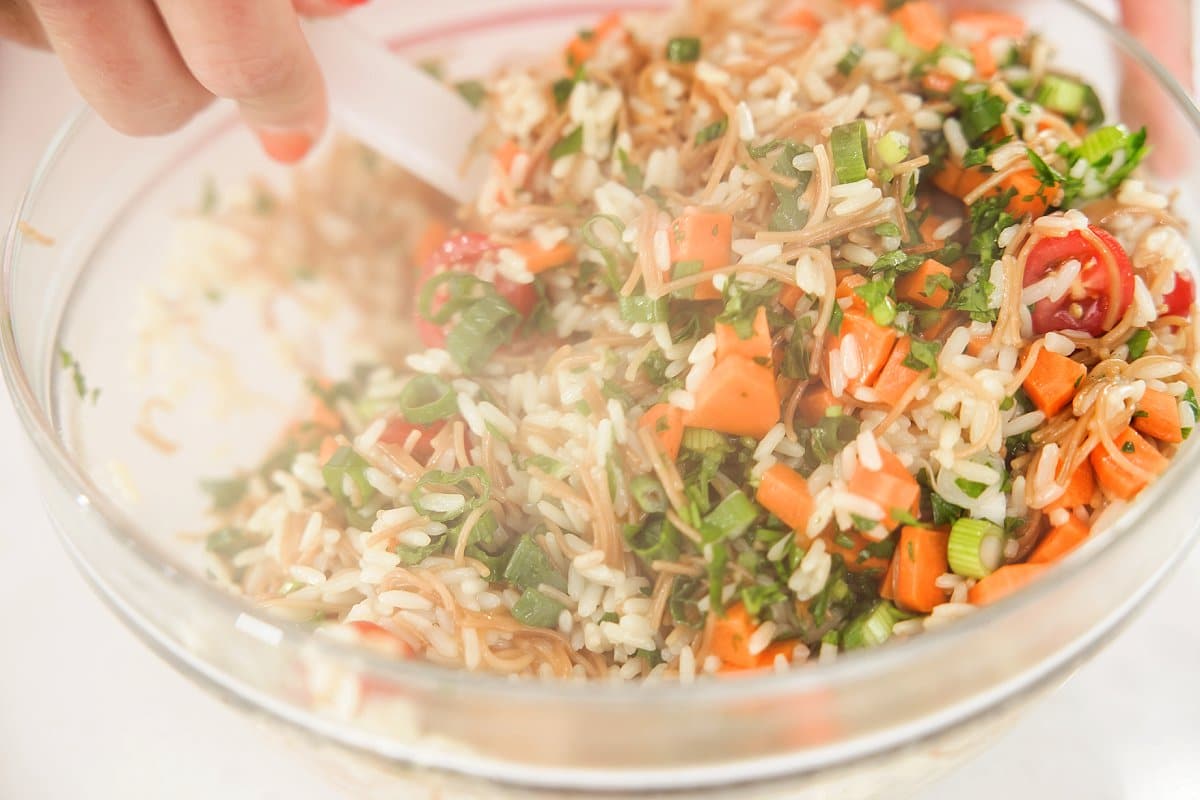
x: 396, y: 108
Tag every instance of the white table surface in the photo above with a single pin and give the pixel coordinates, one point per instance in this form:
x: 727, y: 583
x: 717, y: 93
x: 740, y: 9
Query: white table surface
x: 87, y: 712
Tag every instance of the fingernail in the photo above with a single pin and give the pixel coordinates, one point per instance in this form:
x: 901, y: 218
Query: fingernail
x: 287, y: 147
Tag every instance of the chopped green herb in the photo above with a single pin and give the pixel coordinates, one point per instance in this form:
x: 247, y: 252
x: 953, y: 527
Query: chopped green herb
x: 712, y: 131
x: 1137, y: 344
x: 473, y: 92
x: 878, y: 296
x: 569, y: 145
x: 1128, y: 448
x: 683, y: 50
x: 923, y: 355
x: 971, y: 489
x: 850, y: 60
x: 656, y: 539
x: 225, y: 492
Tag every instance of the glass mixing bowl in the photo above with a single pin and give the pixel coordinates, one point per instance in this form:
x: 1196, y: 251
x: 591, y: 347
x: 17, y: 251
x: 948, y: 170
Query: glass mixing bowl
x: 891, y: 717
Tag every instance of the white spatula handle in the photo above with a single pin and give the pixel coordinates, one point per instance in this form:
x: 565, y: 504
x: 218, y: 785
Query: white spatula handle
x: 396, y: 108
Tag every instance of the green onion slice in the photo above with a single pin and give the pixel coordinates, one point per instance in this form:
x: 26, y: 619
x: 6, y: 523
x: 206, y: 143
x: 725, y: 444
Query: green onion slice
x: 872, y: 628
x: 648, y: 494
x: 442, y: 483
x: 484, y: 327
x: 732, y: 517
x: 529, y: 567
x: 537, y: 610
x: 849, y: 145
x: 683, y: 50
x: 642, y: 308
x: 976, y: 547
x: 426, y: 399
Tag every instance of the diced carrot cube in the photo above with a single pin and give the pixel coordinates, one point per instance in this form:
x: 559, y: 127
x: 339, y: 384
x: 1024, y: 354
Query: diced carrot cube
x: 1060, y: 540
x: 1053, y: 381
x: 757, y: 347
x: 896, y: 378
x: 666, y: 423
x: 1114, y: 477
x: 1157, y: 415
x: 739, y: 397
x: 924, y: 285
x: 784, y: 492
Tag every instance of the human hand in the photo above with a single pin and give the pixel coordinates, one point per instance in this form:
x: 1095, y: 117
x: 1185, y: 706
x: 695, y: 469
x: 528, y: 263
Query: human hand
x: 148, y: 66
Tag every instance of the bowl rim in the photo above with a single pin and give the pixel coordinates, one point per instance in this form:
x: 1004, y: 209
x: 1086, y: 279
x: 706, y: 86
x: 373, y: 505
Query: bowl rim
x: 846, y: 670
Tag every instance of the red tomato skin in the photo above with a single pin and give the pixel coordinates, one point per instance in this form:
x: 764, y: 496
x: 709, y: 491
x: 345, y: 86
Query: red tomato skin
x: 462, y: 252
x: 398, y: 431
x: 1179, y: 300
x: 1049, y: 253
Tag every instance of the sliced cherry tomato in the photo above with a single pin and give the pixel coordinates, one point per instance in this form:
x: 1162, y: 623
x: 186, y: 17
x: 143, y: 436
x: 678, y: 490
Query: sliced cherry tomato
x: 463, y: 252
x: 1179, y: 300
x: 398, y: 431
x: 1097, y: 298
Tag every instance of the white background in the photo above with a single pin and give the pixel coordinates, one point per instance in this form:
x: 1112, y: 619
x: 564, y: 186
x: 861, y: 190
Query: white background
x: 87, y: 712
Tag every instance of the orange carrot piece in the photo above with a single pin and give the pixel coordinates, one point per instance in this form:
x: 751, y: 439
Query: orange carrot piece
x: 920, y: 560
x: 813, y: 402
x: 854, y: 557
x: 922, y: 22
x: 948, y: 176
x: 938, y: 82
x: 1030, y: 197
x: 874, y: 343
x: 802, y: 18
x: 504, y: 155
x: 1119, y: 481
x: 784, y: 492
x: 666, y: 423
x: 895, y: 378
x: 915, y: 287
x: 1157, y: 415
x: 984, y: 58
x: 848, y: 284
x: 325, y: 417
x: 1053, y: 381
x: 887, y: 588
x: 1080, y: 489
x: 1060, y: 540
x: 739, y: 397
x: 704, y: 236
x: 971, y: 178
x: 539, y: 260
x: 328, y: 447
x: 758, y: 346
x: 581, y: 48
x: 892, y: 487
x: 990, y: 24
x: 730, y: 640
x: 433, y: 236
x: 789, y: 296
x: 928, y: 225
x: 1003, y: 582
x: 976, y: 344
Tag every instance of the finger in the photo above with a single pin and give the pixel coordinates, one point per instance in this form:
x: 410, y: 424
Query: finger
x: 119, y: 55
x: 254, y: 53
x: 19, y: 24
x: 1165, y: 27
x: 324, y: 8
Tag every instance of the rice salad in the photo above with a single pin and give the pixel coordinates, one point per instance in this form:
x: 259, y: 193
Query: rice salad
x: 775, y: 332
